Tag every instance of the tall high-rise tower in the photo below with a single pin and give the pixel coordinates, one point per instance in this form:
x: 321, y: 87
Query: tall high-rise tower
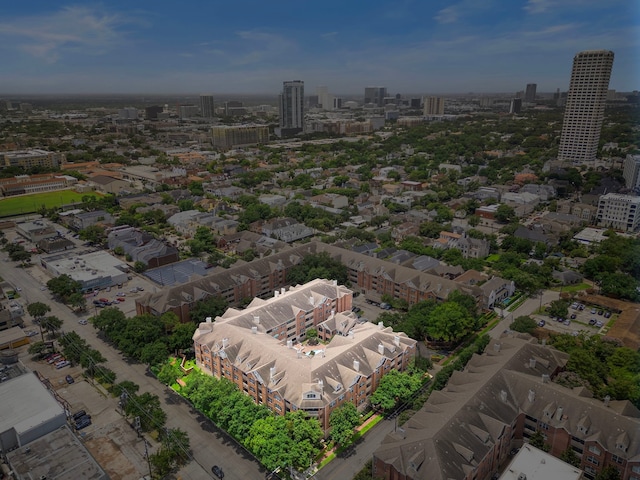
x: 292, y: 108
x: 207, y: 109
x: 530, y: 93
x: 434, y: 106
x: 585, y: 104
x: 375, y: 95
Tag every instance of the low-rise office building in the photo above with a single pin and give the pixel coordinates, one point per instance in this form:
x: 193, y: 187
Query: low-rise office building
x: 92, y: 269
x: 620, y: 212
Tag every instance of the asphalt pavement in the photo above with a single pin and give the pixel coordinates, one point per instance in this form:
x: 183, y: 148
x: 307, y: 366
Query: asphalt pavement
x: 209, y: 446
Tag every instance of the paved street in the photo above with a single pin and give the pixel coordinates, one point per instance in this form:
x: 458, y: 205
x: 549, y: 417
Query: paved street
x: 208, y: 445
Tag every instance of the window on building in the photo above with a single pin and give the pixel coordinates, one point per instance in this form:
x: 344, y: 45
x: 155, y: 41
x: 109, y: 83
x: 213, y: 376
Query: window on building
x: 592, y: 459
x: 617, y: 459
x: 594, y: 449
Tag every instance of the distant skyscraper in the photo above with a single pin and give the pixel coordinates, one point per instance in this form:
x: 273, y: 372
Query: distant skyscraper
x: 325, y: 99
x: 585, y: 104
x: 515, y: 106
x: 207, y: 109
x: 292, y: 108
x: 375, y: 95
x: 434, y: 106
x: 530, y: 93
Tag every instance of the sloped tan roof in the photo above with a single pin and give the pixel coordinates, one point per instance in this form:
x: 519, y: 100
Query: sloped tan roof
x: 459, y: 425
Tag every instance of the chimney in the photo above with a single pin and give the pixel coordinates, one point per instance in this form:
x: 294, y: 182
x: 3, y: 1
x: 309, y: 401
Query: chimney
x: 544, y: 342
x: 333, y: 313
x: 496, y: 347
x: 396, y: 340
x: 607, y: 399
x: 208, y: 319
x: 380, y: 325
x: 381, y: 349
x: 256, y: 319
x: 289, y: 343
x: 254, y: 330
x: 402, y: 433
x: 225, y: 342
x: 334, y: 283
x: 351, y: 334
x: 532, y: 396
x: 559, y: 414
x: 356, y: 365
x: 272, y: 373
x: 276, y: 293
x: 321, y: 386
x: 545, y: 378
x: 503, y: 396
x: 532, y: 363
x: 282, y: 290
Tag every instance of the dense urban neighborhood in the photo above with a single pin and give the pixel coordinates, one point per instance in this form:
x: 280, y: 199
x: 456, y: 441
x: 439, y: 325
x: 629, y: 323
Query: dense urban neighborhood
x: 394, y: 287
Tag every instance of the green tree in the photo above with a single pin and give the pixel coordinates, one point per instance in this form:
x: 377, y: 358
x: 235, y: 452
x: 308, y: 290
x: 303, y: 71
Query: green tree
x: 38, y: 310
x: 395, y: 388
x: 559, y: 308
x: 169, y: 372
x: 571, y: 457
x: 505, y: 213
x: 63, y: 286
x: 176, y: 441
x: 93, y: 233
x: 147, y: 407
x: 537, y: 440
x: 608, y: 473
x: 523, y: 324
x: 342, y: 421
x: 449, y: 322
x: 319, y: 265
x: 77, y: 301
x: 139, y: 266
x: 51, y: 324
x: 90, y: 360
x: 212, y: 306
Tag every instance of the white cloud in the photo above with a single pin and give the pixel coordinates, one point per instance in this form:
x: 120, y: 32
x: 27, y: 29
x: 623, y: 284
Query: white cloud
x: 537, y: 6
x: 448, y: 15
x: 73, y: 28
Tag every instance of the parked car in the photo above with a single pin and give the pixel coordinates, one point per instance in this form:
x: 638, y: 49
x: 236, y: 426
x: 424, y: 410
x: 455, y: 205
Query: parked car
x: 542, y: 323
x: 217, y: 471
x: 600, y: 312
x: 63, y: 364
x: 79, y: 414
x: 607, y: 314
x: 599, y: 324
x: 69, y: 379
x: 83, y: 423
x: 593, y: 311
x: 82, y: 322
x: 592, y: 321
x: 120, y: 299
x: 567, y: 322
x: 573, y: 316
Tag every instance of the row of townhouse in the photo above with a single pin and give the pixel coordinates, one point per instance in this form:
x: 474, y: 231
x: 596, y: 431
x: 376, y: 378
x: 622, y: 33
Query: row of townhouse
x: 258, y: 350
x: 370, y: 276
x: 501, y: 398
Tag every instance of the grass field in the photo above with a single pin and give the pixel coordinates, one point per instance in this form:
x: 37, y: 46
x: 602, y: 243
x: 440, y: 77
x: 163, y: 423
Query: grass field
x: 31, y: 203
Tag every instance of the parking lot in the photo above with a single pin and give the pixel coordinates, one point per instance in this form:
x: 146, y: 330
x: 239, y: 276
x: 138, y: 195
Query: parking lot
x: 108, y: 437
x: 589, y: 319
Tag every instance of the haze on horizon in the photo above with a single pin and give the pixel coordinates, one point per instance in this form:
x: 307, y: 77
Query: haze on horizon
x: 252, y: 46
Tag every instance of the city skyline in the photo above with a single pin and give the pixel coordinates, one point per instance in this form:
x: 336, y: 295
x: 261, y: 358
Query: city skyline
x: 252, y: 47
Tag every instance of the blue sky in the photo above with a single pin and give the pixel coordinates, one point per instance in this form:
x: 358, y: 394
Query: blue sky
x: 242, y: 46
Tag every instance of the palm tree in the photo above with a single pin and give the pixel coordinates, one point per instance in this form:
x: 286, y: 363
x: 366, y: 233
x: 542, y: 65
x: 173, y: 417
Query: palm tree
x: 38, y: 310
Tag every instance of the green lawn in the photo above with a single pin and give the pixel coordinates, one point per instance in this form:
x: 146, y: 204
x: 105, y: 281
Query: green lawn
x: 30, y: 203
x: 572, y: 288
